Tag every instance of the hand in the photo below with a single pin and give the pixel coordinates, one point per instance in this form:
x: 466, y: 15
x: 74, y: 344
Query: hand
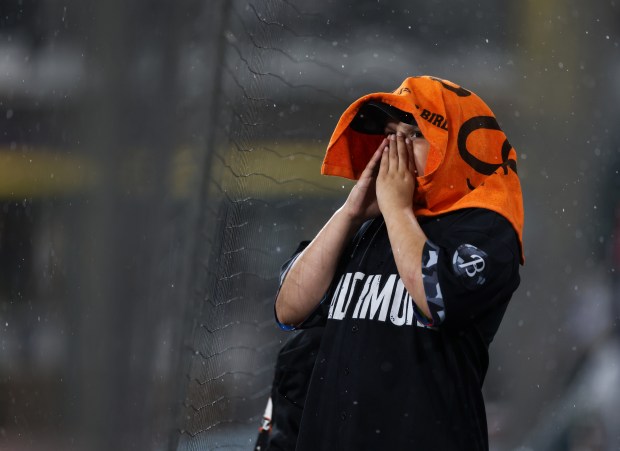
x: 396, y: 178
x: 362, y: 201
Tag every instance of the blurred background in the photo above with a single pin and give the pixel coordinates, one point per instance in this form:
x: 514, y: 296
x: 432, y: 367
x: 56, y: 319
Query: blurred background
x: 159, y: 161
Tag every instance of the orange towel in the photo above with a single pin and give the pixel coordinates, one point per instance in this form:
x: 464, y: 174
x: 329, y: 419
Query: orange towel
x: 470, y: 163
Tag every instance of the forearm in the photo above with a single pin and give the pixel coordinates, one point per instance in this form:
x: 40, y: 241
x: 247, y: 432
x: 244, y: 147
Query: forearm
x: 407, y: 240
x: 311, y: 274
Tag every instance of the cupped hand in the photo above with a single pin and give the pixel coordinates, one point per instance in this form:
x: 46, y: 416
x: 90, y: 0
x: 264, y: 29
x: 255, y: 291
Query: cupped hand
x: 396, y: 179
x: 362, y: 201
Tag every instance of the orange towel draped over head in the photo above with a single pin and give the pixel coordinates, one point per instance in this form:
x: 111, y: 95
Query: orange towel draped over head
x: 470, y: 162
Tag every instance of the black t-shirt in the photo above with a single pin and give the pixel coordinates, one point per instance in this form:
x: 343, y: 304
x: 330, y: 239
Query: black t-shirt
x: 385, y: 376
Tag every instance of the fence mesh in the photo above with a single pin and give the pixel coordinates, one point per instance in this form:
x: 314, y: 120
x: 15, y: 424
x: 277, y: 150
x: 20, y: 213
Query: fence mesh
x: 261, y: 195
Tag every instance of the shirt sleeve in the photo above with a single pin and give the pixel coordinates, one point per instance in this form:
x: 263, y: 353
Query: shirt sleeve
x: 469, y: 267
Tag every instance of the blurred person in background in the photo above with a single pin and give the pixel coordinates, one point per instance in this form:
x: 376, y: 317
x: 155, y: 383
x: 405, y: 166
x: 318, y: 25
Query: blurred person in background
x: 411, y: 277
x: 293, y: 369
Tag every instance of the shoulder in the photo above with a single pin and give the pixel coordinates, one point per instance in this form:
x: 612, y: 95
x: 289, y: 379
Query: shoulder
x: 478, y: 219
x: 472, y: 224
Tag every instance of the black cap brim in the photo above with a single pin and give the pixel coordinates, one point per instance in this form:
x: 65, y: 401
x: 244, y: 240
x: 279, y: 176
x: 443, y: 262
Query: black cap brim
x: 373, y: 115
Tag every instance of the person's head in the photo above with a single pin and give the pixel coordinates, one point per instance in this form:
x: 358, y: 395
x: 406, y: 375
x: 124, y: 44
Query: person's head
x: 470, y: 164
x: 378, y: 118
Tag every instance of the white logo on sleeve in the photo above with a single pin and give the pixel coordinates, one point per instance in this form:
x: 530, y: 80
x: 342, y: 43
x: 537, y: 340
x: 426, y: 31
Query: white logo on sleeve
x: 469, y: 263
x: 475, y: 265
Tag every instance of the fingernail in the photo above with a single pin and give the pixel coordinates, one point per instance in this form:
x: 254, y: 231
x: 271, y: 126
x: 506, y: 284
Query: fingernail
x: 407, y: 140
x: 399, y: 133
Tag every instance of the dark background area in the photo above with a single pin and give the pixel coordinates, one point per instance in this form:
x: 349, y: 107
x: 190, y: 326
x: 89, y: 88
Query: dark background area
x: 160, y: 160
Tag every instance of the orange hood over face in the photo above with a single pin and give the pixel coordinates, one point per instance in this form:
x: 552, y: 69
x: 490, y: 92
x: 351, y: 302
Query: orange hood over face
x: 470, y: 162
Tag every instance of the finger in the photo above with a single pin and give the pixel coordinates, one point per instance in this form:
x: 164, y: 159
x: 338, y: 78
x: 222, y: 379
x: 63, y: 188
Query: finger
x: 383, y: 144
x: 393, y: 153
x: 401, y: 147
x: 376, y: 157
x: 374, y: 163
x: 385, y: 160
x: 411, y: 159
